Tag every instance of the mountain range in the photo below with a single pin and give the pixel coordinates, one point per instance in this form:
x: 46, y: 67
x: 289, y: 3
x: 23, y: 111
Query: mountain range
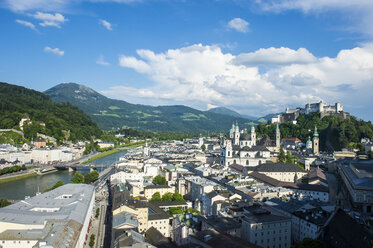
x: 115, y: 114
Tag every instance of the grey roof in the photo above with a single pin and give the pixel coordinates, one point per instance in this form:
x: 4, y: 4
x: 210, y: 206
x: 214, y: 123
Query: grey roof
x: 169, y: 203
x: 124, y: 218
x: 278, y: 167
x: 255, y: 149
x: 359, y: 173
x: 157, y: 213
x: 259, y: 214
x: 157, y: 187
x: 73, y: 208
x: 222, y: 224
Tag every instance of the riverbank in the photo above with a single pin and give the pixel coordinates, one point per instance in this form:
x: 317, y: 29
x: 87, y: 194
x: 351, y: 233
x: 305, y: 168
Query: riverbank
x: 17, y: 177
x: 110, y: 152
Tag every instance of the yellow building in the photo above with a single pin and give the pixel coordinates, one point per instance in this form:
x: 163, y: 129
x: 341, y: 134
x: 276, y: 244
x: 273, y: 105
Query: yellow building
x: 162, y: 189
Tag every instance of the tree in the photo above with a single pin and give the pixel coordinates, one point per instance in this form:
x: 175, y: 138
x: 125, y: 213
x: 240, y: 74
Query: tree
x: 281, y: 156
x: 193, y: 211
x: 94, y: 175
x: 175, y: 210
x: 288, y: 158
x: 77, y: 178
x: 156, y: 197
x: 159, y: 180
x: 309, y: 243
x: 177, y: 197
x: 88, y: 178
x: 4, y: 202
x: 370, y: 154
x: 97, y: 212
x: 92, y: 240
x: 167, y: 196
x: 203, y: 147
x: 58, y: 184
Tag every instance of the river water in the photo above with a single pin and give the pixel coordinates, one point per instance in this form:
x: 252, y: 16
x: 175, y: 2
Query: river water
x: 17, y: 190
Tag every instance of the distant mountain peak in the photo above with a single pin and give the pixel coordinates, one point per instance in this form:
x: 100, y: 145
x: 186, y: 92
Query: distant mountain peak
x: 111, y: 113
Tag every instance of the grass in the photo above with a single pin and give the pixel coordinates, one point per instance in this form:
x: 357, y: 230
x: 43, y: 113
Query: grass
x: 110, y: 152
x: 16, y: 178
x: 113, y: 108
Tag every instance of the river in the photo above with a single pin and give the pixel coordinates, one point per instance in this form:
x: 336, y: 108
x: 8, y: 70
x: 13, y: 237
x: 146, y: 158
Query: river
x: 17, y: 190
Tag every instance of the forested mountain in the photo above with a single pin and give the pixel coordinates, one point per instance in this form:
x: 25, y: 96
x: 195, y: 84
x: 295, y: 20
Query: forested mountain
x: 227, y: 111
x: 109, y: 113
x: 59, y: 118
x: 335, y: 132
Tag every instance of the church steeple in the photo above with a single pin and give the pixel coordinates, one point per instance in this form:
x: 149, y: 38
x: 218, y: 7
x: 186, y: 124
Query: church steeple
x: 315, y: 142
x: 278, y: 137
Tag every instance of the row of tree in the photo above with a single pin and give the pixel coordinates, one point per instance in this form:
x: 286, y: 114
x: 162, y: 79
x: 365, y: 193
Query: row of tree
x: 12, y: 169
x: 156, y: 197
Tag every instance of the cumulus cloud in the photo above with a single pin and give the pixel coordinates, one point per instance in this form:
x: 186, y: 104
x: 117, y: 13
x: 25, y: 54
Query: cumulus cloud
x: 203, y: 76
x: 275, y: 56
x: 239, y: 25
x: 101, y: 61
x: 27, y: 24
x: 56, y: 51
x: 106, y: 24
x: 48, y: 19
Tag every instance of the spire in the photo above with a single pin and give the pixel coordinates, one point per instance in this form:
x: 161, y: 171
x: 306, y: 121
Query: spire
x: 315, y: 134
x: 252, y: 128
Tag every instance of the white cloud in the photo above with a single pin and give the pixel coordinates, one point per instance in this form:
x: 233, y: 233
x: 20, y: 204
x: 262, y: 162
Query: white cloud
x: 27, y: 24
x: 202, y: 76
x: 101, y: 61
x: 56, y: 50
x: 51, y: 5
x: 239, y: 25
x: 211, y: 106
x: 48, y: 19
x: 106, y: 24
x: 357, y: 13
x: 277, y: 56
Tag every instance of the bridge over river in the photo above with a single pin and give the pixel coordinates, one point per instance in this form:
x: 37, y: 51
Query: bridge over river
x: 76, y: 166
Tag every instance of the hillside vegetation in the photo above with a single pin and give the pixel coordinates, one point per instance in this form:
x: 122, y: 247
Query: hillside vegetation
x: 335, y: 132
x: 63, y: 121
x: 114, y: 114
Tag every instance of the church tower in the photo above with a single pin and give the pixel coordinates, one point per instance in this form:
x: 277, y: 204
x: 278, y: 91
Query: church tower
x: 278, y: 137
x: 315, y: 142
x: 253, y: 136
x: 237, y: 135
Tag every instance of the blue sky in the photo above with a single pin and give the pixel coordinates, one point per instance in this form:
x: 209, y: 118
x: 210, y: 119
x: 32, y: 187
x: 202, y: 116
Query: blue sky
x: 256, y: 57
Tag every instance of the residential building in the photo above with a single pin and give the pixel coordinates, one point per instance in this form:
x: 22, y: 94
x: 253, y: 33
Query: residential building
x: 266, y: 227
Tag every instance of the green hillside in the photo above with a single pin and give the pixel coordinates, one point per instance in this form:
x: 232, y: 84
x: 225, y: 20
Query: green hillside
x: 109, y: 113
x: 335, y: 132
x: 59, y: 118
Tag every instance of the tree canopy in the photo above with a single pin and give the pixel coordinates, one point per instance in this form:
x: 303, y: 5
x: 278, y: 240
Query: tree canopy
x: 77, y: 178
x: 159, y: 180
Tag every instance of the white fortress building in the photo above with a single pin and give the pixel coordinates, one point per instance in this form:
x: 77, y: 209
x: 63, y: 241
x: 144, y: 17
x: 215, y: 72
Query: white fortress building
x: 240, y: 148
x: 55, y: 219
x: 321, y: 107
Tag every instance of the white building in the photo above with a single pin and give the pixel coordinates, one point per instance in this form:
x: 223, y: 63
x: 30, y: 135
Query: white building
x: 58, y: 218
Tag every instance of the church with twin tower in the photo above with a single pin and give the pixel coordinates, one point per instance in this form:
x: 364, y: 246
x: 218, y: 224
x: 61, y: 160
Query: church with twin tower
x: 240, y: 147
